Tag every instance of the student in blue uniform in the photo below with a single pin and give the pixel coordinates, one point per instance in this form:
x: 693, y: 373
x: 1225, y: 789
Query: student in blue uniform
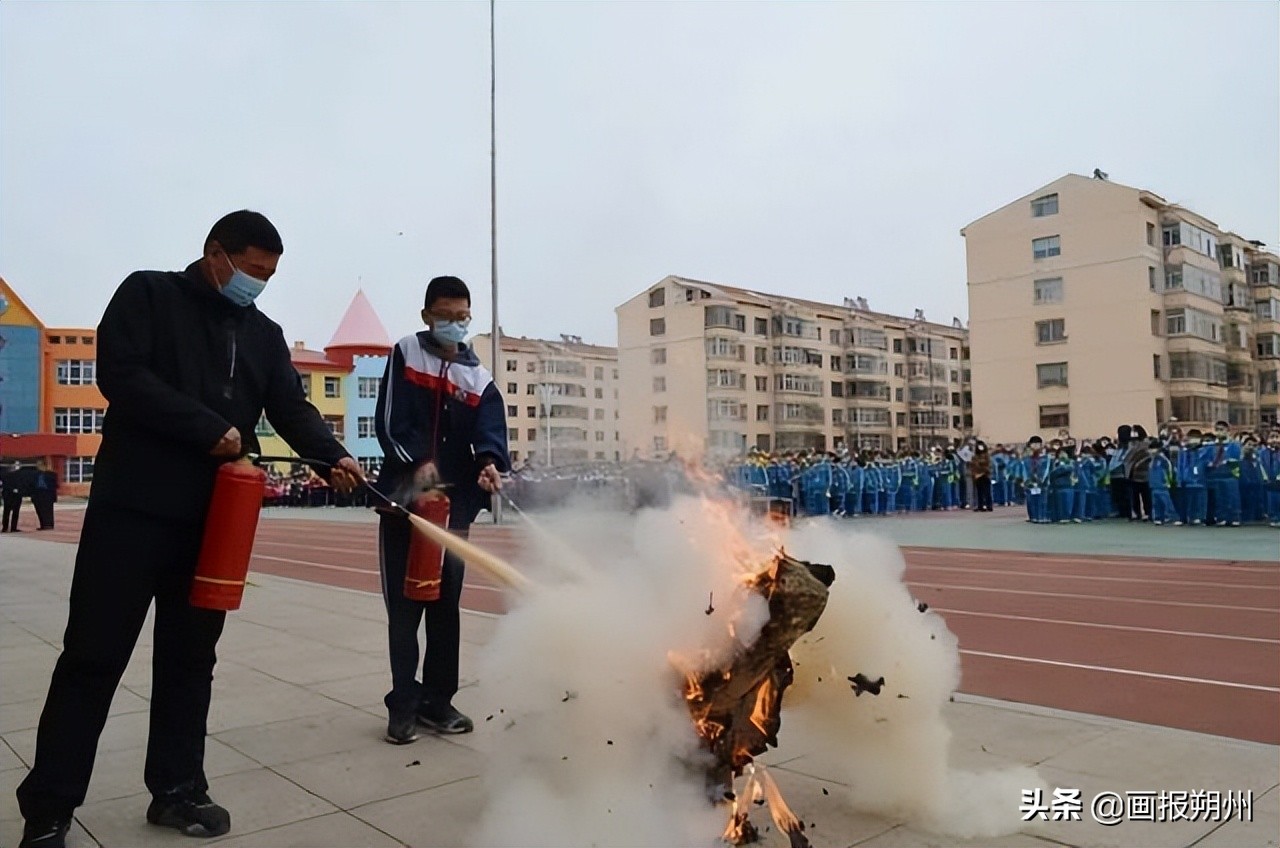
x: 1035, y: 477
x: 1160, y: 477
x: 1271, y: 477
x: 1252, y: 500
x: 1088, y: 470
x: 891, y: 476
x: 1062, y: 484
x: 1222, y: 460
x: 1191, y: 477
x: 909, y: 468
x: 1000, y: 476
x: 853, y: 492
x: 870, y: 486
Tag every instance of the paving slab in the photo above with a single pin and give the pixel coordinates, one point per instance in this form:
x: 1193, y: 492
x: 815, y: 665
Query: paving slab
x: 335, y: 830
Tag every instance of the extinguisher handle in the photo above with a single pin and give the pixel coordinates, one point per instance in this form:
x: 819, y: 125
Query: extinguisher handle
x: 259, y: 459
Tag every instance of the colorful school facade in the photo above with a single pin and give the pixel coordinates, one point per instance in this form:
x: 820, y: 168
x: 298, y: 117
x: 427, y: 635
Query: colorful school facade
x: 51, y: 408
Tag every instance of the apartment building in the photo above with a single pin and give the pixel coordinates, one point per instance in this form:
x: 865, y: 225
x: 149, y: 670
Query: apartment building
x: 561, y: 396
x: 714, y: 369
x: 1094, y: 304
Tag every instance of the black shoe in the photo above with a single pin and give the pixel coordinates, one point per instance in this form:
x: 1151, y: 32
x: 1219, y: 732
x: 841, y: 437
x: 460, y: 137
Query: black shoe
x: 444, y: 719
x: 401, y: 730
x: 45, y: 833
x: 194, y: 815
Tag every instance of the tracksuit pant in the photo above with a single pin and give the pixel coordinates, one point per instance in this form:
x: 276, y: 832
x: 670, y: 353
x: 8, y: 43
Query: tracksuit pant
x: 1038, y: 506
x: 1226, y: 500
x: 125, y: 560
x: 1197, y: 504
x: 1162, y: 508
x: 404, y: 621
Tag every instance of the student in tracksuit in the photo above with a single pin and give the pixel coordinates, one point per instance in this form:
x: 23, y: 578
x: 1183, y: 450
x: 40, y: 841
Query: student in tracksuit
x: 1062, y: 484
x: 853, y: 494
x: 909, y: 468
x: 1252, y: 506
x: 871, y: 488
x: 891, y: 473
x: 1035, y: 471
x: 1271, y: 477
x: 439, y: 419
x: 1087, y: 469
x: 1160, y: 477
x: 924, y: 499
x: 1191, y: 477
x: 1000, y: 476
x: 1223, y: 463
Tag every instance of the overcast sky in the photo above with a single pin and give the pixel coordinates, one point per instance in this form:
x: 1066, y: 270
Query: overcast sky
x: 820, y: 150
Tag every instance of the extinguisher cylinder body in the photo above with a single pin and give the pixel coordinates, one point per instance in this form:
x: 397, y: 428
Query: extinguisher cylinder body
x: 425, y: 568
x: 229, y: 529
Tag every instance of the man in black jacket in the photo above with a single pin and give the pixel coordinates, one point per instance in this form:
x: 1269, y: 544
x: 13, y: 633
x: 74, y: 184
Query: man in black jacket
x: 15, y: 482
x: 187, y: 365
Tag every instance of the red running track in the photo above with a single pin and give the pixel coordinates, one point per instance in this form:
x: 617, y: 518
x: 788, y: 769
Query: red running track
x: 1193, y: 644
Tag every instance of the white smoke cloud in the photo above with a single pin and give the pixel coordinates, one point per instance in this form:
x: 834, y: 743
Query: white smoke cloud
x: 591, y: 743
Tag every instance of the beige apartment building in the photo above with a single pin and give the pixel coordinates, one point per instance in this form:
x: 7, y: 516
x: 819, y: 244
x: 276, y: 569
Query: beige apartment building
x: 1094, y: 304
x: 714, y: 369
x: 561, y: 396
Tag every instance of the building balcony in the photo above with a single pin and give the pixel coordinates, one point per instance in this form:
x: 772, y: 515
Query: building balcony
x: 1182, y: 255
x: 1184, y: 299
x: 1185, y: 343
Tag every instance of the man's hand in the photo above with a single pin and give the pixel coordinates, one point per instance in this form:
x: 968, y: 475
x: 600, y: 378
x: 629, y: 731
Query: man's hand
x: 490, y: 480
x: 228, y: 447
x: 347, y: 476
x: 425, y: 477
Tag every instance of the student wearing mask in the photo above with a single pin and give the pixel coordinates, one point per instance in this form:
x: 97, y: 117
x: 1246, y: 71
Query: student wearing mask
x: 1035, y: 470
x: 1160, y: 477
x: 1000, y: 476
x: 1222, y: 458
x: 1138, y: 468
x: 1062, y: 483
x: 1252, y: 498
x: 1271, y: 477
x: 980, y: 471
x: 1088, y: 469
x: 1191, y: 476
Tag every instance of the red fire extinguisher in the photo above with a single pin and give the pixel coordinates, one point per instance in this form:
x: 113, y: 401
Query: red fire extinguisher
x: 426, y: 558
x: 229, y: 528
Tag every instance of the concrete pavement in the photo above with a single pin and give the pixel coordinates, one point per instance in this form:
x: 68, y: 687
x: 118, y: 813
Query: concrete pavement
x: 295, y: 749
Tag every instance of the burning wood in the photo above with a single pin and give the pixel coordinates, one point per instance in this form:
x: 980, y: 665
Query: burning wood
x: 736, y: 709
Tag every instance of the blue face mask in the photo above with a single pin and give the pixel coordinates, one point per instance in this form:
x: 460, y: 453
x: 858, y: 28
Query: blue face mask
x: 242, y: 289
x: 450, y: 332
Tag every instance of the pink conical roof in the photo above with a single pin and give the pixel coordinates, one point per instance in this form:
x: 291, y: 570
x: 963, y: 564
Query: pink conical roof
x: 360, y: 326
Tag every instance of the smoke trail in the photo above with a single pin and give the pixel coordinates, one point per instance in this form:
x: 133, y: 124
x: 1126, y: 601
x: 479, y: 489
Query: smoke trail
x: 591, y: 742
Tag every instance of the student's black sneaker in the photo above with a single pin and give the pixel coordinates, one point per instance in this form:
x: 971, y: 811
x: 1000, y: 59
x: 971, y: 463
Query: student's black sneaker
x: 401, y: 730
x: 444, y: 719
x: 194, y: 815
x: 45, y: 833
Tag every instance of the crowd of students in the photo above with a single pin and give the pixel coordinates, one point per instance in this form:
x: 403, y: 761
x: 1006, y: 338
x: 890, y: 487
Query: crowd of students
x: 1195, y: 478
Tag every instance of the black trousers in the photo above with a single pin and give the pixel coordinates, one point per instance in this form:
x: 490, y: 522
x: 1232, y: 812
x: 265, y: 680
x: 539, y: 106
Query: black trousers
x: 44, y: 509
x: 125, y: 560
x: 404, y: 620
x: 982, y: 489
x: 1121, y: 497
x: 9, y: 518
x: 1140, y: 499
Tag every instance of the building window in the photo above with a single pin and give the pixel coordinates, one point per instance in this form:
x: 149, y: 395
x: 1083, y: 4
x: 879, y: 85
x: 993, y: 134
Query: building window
x: 659, y: 443
x: 531, y: 411
x: 531, y: 434
x: 531, y: 367
x: 1151, y: 277
x: 837, y: 389
x: 79, y: 469
x: 530, y: 389
x: 898, y: 395
x: 659, y: 384
x: 1051, y: 374
x: 55, y: 340
x: 77, y: 421
x: 902, y: 419
x: 955, y: 353
x: 367, y: 387
x: 599, y: 436
x: 762, y: 384
x: 898, y: 369
x: 76, y: 372
x: 659, y: 414
x: 955, y: 376
x: 1268, y: 345
x: 955, y: 398
x: 1052, y: 331
x: 512, y: 365
x: 599, y: 373
x: 762, y: 326
x: 513, y: 435
x: 1155, y: 365
x: 897, y: 345
x: 658, y: 356
x: 657, y: 326
x: 657, y: 297
x: 333, y: 387
x: 598, y: 414
x: 336, y: 426
x: 365, y: 428
x: 762, y: 412
x: 1171, y: 235
x: 1047, y: 291
x: 1058, y: 415
x: 837, y: 417
x: 1043, y: 248
x: 513, y: 411
x: 599, y: 394
x: 305, y: 380
x: 512, y: 389
x: 1151, y: 234
x: 1042, y: 206
x: 835, y: 363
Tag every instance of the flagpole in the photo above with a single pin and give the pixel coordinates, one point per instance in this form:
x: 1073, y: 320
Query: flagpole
x: 495, y: 340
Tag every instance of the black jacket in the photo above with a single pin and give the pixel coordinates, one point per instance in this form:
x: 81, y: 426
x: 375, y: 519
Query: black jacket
x: 180, y: 365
